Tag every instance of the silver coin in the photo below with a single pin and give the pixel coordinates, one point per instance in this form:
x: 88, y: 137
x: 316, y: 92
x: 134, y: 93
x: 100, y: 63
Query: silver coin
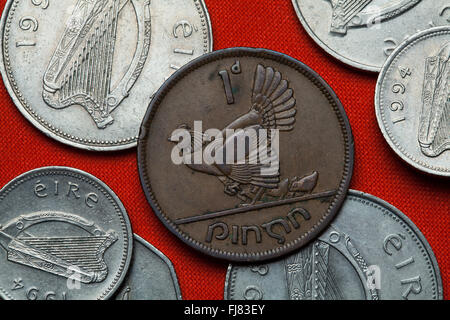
x: 151, y: 275
x: 84, y: 71
x: 371, y: 251
x: 64, y: 235
x: 412, y: 101
x: 363, y: 33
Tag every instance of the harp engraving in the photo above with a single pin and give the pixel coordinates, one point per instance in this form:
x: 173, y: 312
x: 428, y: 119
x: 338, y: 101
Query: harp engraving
x: 58, y: 255
x: 309, y: 273
x: 79, y: 72
x: 357, y: 13
x: 434, y: 128
x: 308, y: 276
x: 340, y: 241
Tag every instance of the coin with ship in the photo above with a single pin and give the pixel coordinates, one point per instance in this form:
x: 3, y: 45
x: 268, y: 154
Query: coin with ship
x: 151, y: 275
x: 245, y: 154
x: 412, y: 101
x: 84, y: 71
x: 363, y: 33
x: 371, y: 251
x: 64, y: 235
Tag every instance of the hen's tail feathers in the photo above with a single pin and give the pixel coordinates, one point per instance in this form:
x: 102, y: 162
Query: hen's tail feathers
x: 273, y: 99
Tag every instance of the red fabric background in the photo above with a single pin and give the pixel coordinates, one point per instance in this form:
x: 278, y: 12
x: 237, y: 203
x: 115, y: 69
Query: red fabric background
x: 270, y: 24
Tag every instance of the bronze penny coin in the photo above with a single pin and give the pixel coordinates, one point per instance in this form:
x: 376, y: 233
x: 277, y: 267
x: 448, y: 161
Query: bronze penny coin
x: 245, y: 154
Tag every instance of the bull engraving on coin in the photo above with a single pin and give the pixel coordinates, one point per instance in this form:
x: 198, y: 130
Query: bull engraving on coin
x: 79, y: 73
x: 434, y: 129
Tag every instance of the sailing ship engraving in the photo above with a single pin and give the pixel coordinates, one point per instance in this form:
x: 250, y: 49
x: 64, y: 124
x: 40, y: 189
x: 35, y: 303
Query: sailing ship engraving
x: 61, y: 256
x: 357, y: 13
x: 79, y: 72
x: 434, y: 128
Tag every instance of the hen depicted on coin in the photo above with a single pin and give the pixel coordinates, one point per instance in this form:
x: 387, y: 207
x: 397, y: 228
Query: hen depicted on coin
x: 245, y: 154
x: 151, y: 275
x: 64, y: 235
x: 370, y: 251
x: 84, y: 71
x: 363, y: 33
x: 412, y: 101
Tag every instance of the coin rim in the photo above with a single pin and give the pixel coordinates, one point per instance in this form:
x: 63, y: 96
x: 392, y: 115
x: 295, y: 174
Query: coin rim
x: 334, y: 103
x: 164, y: 258
x: 122, y: 145
x: 123, y: 268
x: 389, y: 207
x: 412, y: 161
x: 330, y: 51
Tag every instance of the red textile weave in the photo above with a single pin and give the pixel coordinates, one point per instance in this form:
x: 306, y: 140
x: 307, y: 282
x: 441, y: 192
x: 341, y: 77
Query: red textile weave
x: 270, y: 24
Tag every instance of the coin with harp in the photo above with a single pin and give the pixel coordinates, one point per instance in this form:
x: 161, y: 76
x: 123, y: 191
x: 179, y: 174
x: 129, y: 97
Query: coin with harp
x: 363, y: 33
x: 83, y: 72
x: 64, y: 235
x: 412, y: 101
x: 351, y: 260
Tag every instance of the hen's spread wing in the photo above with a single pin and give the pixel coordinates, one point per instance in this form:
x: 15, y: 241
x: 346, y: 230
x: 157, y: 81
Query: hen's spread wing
x: 255, y: 163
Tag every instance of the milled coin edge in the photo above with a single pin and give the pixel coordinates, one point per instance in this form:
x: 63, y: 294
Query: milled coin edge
x: 439, y: 293
x: 108, y: 193
x: 70, y: 140
x: 411, y: 160
x: 331, y: 52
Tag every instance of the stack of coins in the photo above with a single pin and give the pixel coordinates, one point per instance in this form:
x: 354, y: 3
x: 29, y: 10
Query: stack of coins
x: 245, y: 154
